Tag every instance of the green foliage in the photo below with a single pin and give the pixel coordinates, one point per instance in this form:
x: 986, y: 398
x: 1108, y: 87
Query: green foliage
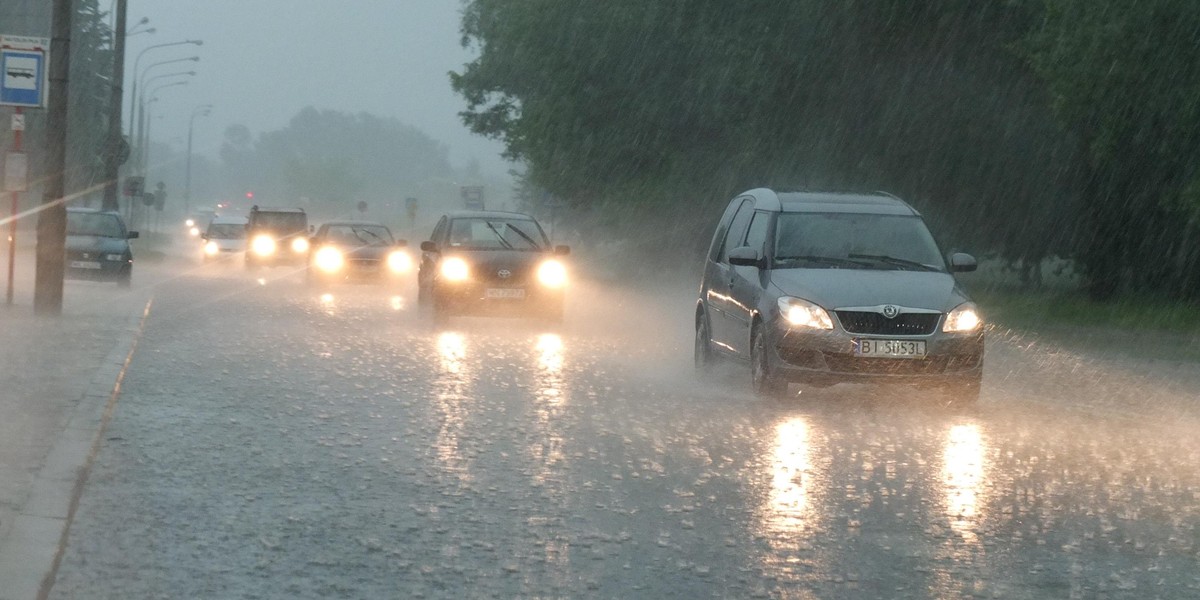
x: 634, y: 110
x: 1125, y: 77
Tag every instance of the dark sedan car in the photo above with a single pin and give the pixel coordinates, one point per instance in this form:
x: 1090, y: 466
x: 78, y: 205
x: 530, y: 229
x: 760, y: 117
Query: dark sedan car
x: 488, y: 262
x: 357, y: 252
x: 98, y: 247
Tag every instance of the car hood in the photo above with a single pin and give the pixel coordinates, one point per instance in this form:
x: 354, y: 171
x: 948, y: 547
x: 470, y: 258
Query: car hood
x: 229, y: 243
x: 366, y: 252
x: 844, y: 288
x: 91, y: 243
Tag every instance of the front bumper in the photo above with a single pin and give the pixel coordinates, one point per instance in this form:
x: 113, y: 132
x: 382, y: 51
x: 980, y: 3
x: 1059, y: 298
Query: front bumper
x: 96, y: 270
x: 482, y: 298
x: 827, y: 357
x: 359, y: 271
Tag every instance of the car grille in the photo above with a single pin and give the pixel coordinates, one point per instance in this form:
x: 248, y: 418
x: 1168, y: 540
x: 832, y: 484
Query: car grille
x: 841, y: 363
x: 876, y: 324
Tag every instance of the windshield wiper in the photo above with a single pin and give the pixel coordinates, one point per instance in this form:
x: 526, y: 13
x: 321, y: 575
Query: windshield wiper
x: 500, y: 236
x: 900, y: 262
x: 829, y: 260
x: 523, y: 235
x: 368, y: 232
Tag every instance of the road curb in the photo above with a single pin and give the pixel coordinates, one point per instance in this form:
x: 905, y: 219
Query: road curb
x: 31, y: 554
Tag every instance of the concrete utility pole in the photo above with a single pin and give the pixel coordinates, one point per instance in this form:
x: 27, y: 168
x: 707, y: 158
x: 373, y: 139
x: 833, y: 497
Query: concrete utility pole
x: 52, y: 220
x: 112, y: 154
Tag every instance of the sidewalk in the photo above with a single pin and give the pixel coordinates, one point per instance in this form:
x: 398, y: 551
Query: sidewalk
x: 57, y: 375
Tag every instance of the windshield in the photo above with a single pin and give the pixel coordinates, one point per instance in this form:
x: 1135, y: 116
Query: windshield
x: 281, y: 222
x: 226, y: 231
x: 496, y: 234
x: 97, y: 224
x: 851, y: 240
x: 359, y: 235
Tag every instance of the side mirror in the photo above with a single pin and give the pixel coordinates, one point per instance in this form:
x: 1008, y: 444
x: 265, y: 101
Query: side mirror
x: 204, y: 236
x: 401, y: 243
x: 744, y: 256
x: 562, y: 250
x: 132, y: 235
x: 428, y: 246
x: 962, y: 263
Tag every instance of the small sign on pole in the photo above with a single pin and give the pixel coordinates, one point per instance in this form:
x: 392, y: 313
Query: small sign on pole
x: 16, y: 172
x: 23, y: 67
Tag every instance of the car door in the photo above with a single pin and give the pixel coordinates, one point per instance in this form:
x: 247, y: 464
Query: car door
x: 747, y: 285
x: 724, y: 332
x: 429, y: 260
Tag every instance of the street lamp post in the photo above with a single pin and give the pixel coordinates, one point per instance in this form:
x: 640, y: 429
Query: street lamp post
x: 136, y: 100
x: 203, y: 110
x: 138, y: 61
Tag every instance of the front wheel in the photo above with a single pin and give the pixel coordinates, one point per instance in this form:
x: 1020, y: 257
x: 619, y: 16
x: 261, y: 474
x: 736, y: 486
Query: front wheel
x: 765, y: 382
x: 702, y: 353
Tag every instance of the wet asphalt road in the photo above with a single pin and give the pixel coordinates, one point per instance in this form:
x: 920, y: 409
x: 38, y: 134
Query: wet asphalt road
x: 274, y: 441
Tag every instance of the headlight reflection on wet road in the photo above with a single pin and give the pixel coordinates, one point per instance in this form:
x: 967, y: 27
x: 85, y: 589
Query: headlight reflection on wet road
x: 963, y: 478
x: 790, y: 502
x: 452, y: 393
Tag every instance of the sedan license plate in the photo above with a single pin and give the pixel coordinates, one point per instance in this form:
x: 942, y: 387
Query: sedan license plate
x: 889, y: 348
x: 505, y: 294
x: 84, y: 264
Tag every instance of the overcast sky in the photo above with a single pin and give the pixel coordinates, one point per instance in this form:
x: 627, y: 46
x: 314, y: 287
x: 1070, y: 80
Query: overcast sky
x: 264, y: 60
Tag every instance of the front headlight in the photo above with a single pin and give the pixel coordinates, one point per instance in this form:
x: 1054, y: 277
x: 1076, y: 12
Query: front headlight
x: 329, y: 259
x: 552, y: 274
x: 190, y: 223
x: 263, y: 245
x: 963, y: 319
x: 455, y: 269
x: 300, y: 245
x: 399, y: 262
x: 211, y: 249
x: 802, y: 313
x: 114, y: 257
x: 194, y: 231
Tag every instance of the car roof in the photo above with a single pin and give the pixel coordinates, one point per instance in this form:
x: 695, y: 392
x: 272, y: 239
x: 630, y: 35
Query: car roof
x: 275, y: 209
x: 229, y: 221
x: 92, y: 211
x: 353, y: 224
x: 880, y: 203
x: 487, y: 214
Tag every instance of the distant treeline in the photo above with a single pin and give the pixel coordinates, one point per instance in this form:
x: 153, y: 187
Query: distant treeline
x: 1021, y: 128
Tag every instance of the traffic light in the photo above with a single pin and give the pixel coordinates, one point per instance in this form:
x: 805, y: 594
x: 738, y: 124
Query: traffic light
x: 249, y: 195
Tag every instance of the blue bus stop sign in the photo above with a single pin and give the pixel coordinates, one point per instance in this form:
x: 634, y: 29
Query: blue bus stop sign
x: 22, y: 77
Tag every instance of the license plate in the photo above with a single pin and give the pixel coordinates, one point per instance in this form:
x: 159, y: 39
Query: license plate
x: 889, y: 348
x: 84, y: 264
x: 505, y: 293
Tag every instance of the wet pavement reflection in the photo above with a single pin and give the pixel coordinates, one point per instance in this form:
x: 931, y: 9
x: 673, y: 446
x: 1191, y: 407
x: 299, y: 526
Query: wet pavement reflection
x: 508, y: 458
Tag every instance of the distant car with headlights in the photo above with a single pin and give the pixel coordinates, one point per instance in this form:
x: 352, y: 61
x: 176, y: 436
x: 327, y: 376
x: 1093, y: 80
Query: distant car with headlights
x: 821, y: 288
x: 198, y: 222
x: 276, y: 236
x: 98, y: 246
x: 356, y: 251
x: 225, y: 237
x: 491, y: 263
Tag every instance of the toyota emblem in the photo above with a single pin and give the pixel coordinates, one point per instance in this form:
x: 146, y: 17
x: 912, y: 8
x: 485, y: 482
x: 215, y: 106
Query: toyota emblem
x: 504, y: 273
x: 890, y: 311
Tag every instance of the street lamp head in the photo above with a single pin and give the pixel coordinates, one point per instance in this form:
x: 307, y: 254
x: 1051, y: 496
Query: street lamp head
x: 144, y: 21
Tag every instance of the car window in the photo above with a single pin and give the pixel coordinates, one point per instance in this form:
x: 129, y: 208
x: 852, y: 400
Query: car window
x: 855, y: 240
x: 439, y: 230
x: 737, y: 228
x: 756, y: 237
x: 96, y: 224
x: 226, y: 231
x: 284, y: 222
x: 496, y: 234
x: 359, y: 235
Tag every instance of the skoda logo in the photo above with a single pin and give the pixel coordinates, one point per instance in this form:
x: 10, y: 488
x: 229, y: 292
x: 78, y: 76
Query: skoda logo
x: 504, y: 273
x: 890, y: 311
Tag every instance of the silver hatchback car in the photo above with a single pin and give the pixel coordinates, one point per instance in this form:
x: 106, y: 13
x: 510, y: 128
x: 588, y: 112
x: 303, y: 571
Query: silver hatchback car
x: 822, y: 288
